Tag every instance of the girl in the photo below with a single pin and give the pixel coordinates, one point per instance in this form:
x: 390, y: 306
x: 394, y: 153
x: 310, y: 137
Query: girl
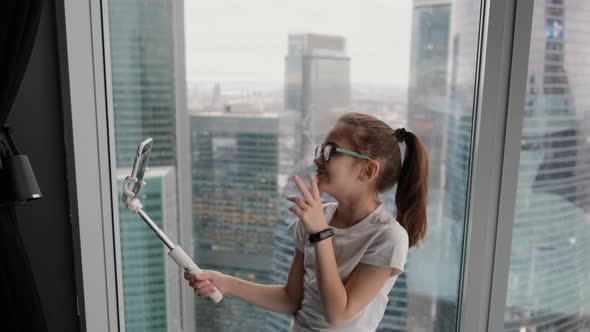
x: 341, y: 282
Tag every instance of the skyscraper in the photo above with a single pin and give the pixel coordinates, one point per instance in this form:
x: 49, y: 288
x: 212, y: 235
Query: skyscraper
x: 427, y: 102
x: 235, y: 194
x: 150, y: 288
x: 431, y: 303
x: 143, y: 61
x: 317, y: 84
x: 146, y: 45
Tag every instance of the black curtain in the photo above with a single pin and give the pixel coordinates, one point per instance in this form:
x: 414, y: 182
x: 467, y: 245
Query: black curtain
x: 20, y: 305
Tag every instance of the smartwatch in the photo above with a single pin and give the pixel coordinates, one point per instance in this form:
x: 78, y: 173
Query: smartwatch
x: 326, y: 233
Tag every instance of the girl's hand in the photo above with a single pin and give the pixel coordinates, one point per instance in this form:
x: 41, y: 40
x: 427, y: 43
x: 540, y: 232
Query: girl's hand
x: 309, y: 209
x: 204, y: 281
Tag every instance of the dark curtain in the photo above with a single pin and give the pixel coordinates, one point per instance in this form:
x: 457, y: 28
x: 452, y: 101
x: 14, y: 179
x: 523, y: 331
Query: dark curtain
x: 20, y: 305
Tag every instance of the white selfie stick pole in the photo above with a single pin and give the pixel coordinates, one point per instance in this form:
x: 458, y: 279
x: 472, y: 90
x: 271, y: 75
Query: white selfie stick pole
x: 176, y: 252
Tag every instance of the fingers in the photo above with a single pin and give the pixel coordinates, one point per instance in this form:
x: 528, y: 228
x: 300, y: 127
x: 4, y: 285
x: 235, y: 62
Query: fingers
x: 200, y: 284
x: 301, y: 203
x: 204, y: 288
x: 199, y: 281
x: 301, y: 186
x: 206, y: 292
x: 202, y: 277
x: 315, y: 191
x: 298, y: 212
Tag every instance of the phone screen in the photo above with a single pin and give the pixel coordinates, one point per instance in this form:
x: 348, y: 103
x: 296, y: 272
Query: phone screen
x: 143, y: 160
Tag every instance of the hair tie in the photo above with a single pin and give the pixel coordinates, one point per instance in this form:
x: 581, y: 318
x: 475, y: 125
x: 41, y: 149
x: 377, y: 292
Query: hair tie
x: 400, y: 134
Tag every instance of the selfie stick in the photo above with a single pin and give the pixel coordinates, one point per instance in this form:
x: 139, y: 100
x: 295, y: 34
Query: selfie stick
x: 176, y: 252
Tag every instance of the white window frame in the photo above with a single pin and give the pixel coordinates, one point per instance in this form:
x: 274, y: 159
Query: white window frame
x: 504, y: 41
x: 87, y: 160
x: 495, y: 151
x: 87, y: 103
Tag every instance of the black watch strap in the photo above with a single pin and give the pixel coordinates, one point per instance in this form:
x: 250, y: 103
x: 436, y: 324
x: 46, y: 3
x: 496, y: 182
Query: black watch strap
x: 326, y: 233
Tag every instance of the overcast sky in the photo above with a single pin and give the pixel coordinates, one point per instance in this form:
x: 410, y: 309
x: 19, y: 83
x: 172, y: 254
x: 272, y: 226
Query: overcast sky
x: 246, y: 40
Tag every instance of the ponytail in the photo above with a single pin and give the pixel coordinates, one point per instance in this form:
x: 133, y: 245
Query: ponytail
x: 412, y: 187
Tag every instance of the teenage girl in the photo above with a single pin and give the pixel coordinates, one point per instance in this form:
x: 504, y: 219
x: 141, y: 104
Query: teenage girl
x: 339, y: 279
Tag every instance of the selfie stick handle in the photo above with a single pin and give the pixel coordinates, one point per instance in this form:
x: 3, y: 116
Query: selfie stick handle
x: 183, y: 260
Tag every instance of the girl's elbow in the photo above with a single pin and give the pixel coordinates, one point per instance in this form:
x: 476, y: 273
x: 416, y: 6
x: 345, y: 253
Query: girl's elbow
x: 294, y: 308
x: 294, y: 303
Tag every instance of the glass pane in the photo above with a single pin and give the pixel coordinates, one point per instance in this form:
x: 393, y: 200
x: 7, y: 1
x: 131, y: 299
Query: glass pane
x: 145, y: 90
x: 264, y: 81
x: 267, y: 79
x: 548, y: 286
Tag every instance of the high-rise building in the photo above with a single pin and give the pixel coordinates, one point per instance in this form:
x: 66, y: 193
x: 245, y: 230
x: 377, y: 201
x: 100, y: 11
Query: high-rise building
x: 289, y: 154
x: 150, y: 287
x: 427, y: 101
x: 317, y: 84
x: 463, y: 41
x: 143, y: 38
x: 235, y: 196
x: 146, y: 45
x: 430, y: 305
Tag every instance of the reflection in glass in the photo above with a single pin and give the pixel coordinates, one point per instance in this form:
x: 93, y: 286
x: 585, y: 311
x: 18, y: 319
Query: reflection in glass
x: 548, y: 286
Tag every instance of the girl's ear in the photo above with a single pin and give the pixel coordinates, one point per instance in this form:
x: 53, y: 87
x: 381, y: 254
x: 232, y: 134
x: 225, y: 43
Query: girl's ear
x: 375, y: 168
x: 371, y: 170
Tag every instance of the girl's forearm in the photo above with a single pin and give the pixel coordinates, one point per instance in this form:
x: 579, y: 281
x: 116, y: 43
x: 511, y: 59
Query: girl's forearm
x: 332, y: 291
x: 268, y: 297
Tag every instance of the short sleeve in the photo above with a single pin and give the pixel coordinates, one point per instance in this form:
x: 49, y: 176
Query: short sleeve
x: 297, y: 232
x: 389, y: 248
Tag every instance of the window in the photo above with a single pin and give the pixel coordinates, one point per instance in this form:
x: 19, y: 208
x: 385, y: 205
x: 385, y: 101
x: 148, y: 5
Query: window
x: 549, y: 266
x: 240, y: 111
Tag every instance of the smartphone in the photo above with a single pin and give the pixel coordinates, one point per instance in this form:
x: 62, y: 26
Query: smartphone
x: 140, y: 164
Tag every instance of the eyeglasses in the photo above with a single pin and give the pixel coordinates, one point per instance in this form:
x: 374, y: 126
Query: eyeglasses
x: 328, y: 150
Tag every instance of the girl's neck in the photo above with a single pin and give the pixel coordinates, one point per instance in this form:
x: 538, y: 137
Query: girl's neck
x: 351, y: 211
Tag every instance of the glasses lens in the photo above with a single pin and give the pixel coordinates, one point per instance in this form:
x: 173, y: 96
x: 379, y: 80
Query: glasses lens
x: 318, y: 152
x: 327, y: 152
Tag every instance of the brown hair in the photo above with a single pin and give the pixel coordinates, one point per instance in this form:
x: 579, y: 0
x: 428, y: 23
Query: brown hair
x: 379, y: 141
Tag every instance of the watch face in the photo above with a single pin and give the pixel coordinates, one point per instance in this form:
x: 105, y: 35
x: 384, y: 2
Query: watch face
x: 321, y: 235
x: 325, y: 232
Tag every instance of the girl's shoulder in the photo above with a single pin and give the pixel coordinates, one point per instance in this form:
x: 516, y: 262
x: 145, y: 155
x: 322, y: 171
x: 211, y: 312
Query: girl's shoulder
x: 388, y: 224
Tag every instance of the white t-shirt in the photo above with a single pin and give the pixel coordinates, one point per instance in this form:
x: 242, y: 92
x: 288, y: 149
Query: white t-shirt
x: 378, y: 239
